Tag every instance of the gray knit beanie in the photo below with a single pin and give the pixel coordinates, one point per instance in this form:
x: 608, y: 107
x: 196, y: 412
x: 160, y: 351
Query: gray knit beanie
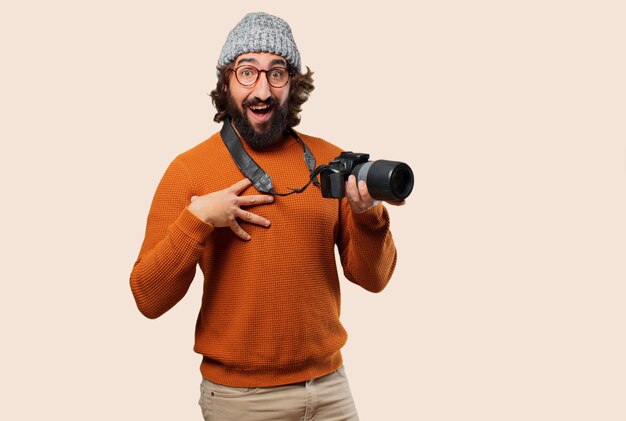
x: 260, y: 32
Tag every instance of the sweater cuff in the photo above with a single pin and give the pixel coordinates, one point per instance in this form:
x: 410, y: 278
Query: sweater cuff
x: 193, y: 227
x: 373, y: 217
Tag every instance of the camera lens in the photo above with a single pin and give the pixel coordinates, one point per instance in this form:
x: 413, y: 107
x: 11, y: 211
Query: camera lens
x: 401, y: 181
x: 386, y: 180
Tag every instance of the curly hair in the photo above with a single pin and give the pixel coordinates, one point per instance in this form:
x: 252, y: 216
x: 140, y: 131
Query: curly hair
x: 301, y: 85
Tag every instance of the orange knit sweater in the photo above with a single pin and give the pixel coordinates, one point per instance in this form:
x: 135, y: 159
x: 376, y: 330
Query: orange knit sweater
x: 271, y: 305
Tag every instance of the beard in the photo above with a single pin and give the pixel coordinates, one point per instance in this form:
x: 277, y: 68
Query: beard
x: 271, y: 132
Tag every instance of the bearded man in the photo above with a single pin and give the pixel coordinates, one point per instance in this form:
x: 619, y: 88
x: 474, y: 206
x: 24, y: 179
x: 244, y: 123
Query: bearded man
x: 268, y: 329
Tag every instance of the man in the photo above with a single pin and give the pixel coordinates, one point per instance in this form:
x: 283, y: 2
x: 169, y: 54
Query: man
x: 268, y: 328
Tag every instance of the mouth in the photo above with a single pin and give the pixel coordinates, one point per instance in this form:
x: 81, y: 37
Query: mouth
x: 261, y: 111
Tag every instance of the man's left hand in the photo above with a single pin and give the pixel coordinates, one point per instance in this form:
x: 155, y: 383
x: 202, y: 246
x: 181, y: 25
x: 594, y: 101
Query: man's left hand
x: 360, y: 199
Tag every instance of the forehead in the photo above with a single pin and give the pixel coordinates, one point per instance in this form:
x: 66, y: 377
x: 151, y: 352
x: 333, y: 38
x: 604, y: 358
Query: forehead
x: 260, y: 59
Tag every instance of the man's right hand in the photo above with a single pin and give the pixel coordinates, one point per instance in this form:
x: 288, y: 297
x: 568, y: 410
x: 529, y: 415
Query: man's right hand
x: 222, y: 208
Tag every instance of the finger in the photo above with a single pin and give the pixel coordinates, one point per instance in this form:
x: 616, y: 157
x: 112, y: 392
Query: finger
x: 239, y: 232
x: 396, y: 202
x: 252, y: 218
x: 352, y: 192
x: 240, y: 186
x: 255, y: 199
x: 193, y: 198
x: 364, y: 193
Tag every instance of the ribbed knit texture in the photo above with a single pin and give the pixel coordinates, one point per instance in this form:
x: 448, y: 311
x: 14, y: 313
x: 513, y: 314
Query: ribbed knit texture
x: 271, y: 305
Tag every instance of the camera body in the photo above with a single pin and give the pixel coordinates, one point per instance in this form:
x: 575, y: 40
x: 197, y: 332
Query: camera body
x: 386, y: 180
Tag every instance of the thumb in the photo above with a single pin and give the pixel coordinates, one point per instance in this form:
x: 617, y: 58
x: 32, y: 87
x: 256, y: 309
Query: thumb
x: 193, y: 198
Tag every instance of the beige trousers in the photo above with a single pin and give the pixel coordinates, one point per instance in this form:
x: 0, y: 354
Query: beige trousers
x: 327, y: 398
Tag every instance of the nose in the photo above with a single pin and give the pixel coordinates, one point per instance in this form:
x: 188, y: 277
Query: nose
x: 262, y: 88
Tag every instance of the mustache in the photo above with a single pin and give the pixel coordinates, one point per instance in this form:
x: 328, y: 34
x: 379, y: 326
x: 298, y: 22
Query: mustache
x: 271, y: 101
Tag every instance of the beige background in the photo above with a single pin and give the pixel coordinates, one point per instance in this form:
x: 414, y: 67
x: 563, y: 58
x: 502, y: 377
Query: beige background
x: 508, y: 299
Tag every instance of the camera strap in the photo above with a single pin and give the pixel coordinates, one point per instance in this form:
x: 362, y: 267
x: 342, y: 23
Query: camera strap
x: 260, y: 179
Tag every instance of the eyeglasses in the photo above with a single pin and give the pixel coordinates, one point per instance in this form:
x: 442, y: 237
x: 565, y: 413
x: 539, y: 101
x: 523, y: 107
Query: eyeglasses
x: 249, y: 75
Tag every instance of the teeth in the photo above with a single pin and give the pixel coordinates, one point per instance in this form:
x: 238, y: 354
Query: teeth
x: 259, y: 107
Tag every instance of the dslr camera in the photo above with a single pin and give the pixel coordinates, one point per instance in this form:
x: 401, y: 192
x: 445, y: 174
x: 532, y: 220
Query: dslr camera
x: 386, y: 180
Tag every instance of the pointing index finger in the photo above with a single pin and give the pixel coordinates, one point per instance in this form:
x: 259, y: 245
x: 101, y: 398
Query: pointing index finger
x: 240, y: 186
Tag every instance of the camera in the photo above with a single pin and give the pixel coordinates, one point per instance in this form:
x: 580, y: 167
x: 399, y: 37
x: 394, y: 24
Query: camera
x: 386, y: 180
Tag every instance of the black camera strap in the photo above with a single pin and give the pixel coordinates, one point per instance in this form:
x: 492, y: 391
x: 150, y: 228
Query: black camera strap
x: 260, y: 179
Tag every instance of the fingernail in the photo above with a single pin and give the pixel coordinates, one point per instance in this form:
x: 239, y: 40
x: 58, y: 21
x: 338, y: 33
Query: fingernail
x: 267, y: 223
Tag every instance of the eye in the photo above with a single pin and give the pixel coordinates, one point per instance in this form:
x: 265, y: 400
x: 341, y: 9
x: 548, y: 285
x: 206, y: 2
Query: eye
x: 246, y: 73
x: 277, y: 73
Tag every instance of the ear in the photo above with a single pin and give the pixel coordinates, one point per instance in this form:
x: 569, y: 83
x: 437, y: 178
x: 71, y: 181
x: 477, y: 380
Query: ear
x: 225, y: 84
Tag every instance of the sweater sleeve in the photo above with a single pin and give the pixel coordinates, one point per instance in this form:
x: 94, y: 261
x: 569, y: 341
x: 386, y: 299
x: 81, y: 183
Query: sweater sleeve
x: 173, y: 243
x: 368, y: 253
